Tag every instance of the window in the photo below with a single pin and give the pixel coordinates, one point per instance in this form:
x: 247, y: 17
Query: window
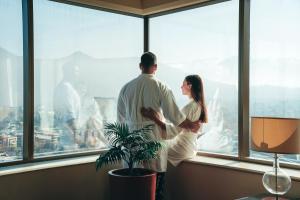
x: 203, y: 41
x: 84, y: 56
x: 82, y: 59
x: 275, y: 62
x: 11, y: 81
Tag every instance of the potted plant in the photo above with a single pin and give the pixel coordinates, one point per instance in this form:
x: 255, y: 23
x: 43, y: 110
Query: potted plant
x: 132, y: 147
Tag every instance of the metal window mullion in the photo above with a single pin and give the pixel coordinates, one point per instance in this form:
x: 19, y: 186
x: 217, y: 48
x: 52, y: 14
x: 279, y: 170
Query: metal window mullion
x: 146, y: 33
x: 243, y: 79
x: 28, y: 80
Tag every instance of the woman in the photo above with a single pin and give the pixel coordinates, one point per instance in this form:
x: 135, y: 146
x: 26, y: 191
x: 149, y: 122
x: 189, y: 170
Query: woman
x: 183, y: 146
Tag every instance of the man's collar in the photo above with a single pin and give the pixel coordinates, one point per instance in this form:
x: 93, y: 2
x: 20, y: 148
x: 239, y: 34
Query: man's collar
x: 147, y: 75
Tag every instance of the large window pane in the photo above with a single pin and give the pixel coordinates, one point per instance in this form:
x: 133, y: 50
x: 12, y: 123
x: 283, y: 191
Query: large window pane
x: 82, y: 59
x: 11, y: 80
x: 203, y: 41
x: 275, y: 62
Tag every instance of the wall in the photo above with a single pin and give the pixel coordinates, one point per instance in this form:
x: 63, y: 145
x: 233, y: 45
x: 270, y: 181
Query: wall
x: 191, y: 181
x: 81, y: 182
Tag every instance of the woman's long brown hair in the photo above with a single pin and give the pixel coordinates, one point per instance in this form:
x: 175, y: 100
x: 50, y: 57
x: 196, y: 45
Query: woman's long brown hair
x: 197, y: 93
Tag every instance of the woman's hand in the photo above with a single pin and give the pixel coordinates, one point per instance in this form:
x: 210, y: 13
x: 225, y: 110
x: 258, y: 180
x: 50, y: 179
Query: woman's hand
x: 154, y: 116
x: 150, y: 114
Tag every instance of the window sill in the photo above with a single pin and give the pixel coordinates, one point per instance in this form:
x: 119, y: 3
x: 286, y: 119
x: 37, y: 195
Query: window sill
x: 203, y: 160
x: 35, y: 166
x: 241, y: 166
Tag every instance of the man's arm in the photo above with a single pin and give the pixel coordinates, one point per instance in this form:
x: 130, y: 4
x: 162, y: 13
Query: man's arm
x: 171, y: 130
x: 186, y: 124
x: 172, y: 112
x: 169, y: 107
x: 121, y: 109
x: 193, y: 126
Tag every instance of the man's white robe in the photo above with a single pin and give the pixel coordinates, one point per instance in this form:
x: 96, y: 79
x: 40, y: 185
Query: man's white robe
x: 147, y: 91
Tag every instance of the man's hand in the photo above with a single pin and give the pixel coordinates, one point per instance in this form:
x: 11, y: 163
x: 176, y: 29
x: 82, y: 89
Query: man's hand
x: 192, y: 126
x: 196, y: 125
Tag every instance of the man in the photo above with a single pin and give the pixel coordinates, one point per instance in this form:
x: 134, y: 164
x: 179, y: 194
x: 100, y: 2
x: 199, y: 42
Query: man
x: 147, y: 91
x: 67, y: 106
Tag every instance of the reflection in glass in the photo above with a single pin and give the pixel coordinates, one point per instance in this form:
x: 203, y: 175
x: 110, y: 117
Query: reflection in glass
x: 11, y: 81
x: 203, y: 41
x: 82, y: 59
x: 275, y: 63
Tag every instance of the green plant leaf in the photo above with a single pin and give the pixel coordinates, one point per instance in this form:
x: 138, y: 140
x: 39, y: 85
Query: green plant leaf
x: 114, y: 155
x: 132, y: 146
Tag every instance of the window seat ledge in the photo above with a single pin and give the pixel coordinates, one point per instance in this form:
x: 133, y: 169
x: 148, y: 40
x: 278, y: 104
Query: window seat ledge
x: 240, y: 165
x: 202, y: 160
x: 29, y: 167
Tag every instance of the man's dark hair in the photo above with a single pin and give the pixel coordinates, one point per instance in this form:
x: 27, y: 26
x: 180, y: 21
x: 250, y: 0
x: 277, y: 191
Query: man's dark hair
x: 148, y: 59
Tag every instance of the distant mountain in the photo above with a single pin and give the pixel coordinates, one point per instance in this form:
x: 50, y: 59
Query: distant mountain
x: 105, y: 77
x: 273, y: 93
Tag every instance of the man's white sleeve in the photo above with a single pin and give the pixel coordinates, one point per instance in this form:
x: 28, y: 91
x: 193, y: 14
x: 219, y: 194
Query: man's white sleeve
x: 170, y: 109
x: 121, y: 109
x: 172, y: 131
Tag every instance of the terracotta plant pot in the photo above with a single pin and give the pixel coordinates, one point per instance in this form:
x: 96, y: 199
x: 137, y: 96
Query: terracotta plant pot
x: 136, y: 187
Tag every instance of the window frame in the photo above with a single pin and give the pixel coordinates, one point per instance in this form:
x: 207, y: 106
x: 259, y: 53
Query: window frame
x: 243, y: 84
x: 243, y: 81
x: 28, y: 85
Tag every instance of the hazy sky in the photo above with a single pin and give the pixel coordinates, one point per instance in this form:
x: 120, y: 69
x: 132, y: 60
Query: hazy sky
x: 11, y: 26
x: 61, y: 29
x: 96, y: 33
x: 274, y: 30
x: 209, y: 33
x: 209, y: 36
